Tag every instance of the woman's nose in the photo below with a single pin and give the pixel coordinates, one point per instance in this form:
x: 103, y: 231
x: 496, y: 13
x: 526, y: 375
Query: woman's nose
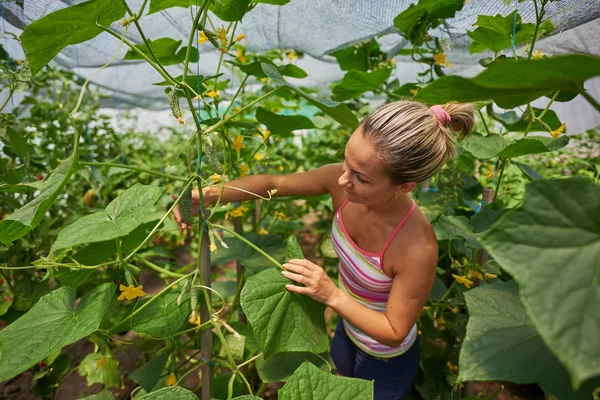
x: 344, y: 180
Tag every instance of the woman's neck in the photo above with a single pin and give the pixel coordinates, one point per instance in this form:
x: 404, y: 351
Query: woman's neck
x: 390, y: 209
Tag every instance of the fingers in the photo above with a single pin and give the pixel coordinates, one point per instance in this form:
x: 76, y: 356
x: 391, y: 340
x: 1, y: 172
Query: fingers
x: 305, y: 263
x: 298, y: 289
x: 299, y: 269
x: 295, y: 277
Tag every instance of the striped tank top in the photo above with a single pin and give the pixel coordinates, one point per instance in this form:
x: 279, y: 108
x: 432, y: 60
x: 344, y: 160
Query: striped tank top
x: 361, y: 276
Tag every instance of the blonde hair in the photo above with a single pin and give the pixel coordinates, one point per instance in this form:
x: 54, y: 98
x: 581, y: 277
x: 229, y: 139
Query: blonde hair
x: 410, y: 139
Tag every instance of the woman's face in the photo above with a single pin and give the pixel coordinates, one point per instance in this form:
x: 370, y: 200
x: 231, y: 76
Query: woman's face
x: 364, y: 177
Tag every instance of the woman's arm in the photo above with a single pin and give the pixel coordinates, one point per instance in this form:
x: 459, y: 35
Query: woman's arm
x: 312, y: 183
x: 410, y: 289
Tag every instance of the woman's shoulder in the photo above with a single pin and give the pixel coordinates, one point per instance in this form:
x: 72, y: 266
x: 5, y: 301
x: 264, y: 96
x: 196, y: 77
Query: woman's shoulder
x: 417, y: 243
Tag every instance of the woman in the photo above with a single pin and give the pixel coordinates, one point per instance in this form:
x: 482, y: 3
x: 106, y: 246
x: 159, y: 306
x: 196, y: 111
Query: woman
x: 387, y: 248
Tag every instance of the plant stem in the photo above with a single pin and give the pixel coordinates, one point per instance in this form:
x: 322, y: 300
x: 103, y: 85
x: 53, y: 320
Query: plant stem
x: 236, y: 94
x: 144, y: 39
x: 224, y: 120
x: 159, y: 269
x: 10, y: 93
x: 131, y: 167
x: 538, y: 20
x: 249, y: 361
x: 162, y: 219
x: 483, y: 120
x: 549, y: 104
x: 249, y: 243
x: 188, y: 51
x: 590, y: 99
x: 140, y: 53
x: 502, y: 166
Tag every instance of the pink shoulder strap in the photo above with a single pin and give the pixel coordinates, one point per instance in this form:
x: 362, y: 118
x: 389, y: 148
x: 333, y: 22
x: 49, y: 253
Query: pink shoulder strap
x: 399, y: 226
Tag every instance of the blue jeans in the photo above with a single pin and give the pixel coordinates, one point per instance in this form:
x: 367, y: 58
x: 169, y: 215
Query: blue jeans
x: 393, y: 376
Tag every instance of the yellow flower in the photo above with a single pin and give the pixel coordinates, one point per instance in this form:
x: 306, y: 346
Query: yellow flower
x: 130, y: 293
x: 263, y: 80
x: 101, y: 362
x: 475, y: 275
x: 447, y: 64
x: 463, y: 281
x: 557, y: 132
x: 244, y: 170
x: 240, y: 55
x: 223, y: 35
x: 265, y: 133
x: 19, y: 62
x: 213, y: 247
x: 194, y: 319
x: 537, y: 55
x: 279, y: 215
x: 491, y: 173
x: 212, y: 93
x: 237, y: 212
x: 238, y: 143
x: 440, y: 58
x: 202, y: 37
x: 171, y: 380
x: 263, y: 231
x: 414, y: 91
x: 491, y: 276
x: 258, y: 157
x: 239, y: 37
x: 281, y: 168
x: 453, y: 368
x: 215, y: 177
x: 223, y: 50
x: 292, y: 56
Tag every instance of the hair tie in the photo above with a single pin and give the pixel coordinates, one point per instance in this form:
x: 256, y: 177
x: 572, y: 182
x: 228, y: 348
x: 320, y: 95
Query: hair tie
x: 442, y: 115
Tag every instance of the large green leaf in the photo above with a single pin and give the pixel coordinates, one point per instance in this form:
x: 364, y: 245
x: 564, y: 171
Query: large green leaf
x: 51, y: 324
x: 121, y: 216
x: 529, y: 172
x: 502, y: 344
x: 513, y: 83
x: 338, y: 111
x: 283, y: 124
x: 515, y: 123
x: 552, y: 248
x: 166, y: 49
x: 418, y: 18
x: 450, y: 227
x: 293, y: 249
x: 229, y: 10
x: 170, y: 393
x: 281, y: 366
x: 495, y: 32
x: 533, y: 145
x: 356, y: 83
x: 108, y: 375
x: 310, y: 383
x: 17, y: 142
x: 494, y: 145
x: 29, y: 216
x: 159, y: 5
x: 105, y: 394
x: 250, y: 258
x: 45, y: 38
x: 255, y: 68
x: 283, y: 321
x: 163, y: 317
x: 148, y: 374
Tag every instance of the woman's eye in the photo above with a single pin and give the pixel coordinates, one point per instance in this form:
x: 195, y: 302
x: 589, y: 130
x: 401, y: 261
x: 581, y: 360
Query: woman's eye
x: 360, y: 180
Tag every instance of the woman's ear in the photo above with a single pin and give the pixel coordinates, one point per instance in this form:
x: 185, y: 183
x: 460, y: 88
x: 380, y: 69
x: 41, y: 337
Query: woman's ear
x: 405, y: 188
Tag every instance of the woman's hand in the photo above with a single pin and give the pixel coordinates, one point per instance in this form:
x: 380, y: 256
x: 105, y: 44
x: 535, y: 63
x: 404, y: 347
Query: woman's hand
x: 195, y: 208
x: 317, y: 283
